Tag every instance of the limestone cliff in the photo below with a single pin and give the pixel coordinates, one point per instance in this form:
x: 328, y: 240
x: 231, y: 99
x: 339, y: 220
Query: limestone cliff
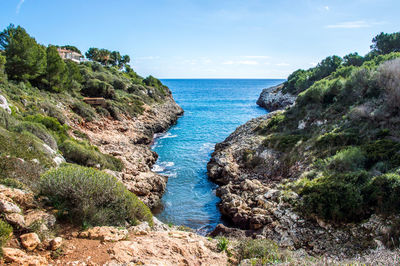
x: 310, y: 176
x: 129, y: 139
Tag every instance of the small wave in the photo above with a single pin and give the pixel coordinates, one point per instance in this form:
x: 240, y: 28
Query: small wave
x: 171, y: 174
x: 162, y: 166
x: 207, y: 147
x: 167, y: 164
x: 167, y: 136
x: 157, y: 168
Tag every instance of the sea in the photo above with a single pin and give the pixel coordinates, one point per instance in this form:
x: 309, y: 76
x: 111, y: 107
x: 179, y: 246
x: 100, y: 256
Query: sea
x: 214, y: 108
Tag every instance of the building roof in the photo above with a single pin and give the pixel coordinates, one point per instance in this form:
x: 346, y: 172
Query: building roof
x: 62, y: 50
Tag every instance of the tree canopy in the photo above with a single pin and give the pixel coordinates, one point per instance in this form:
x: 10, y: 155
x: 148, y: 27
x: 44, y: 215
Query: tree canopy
x: 106, y: 57
x: 25, y: 58
x: 385, y: 43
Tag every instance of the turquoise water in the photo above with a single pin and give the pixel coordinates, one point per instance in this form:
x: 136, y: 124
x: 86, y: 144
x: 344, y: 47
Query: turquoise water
x: 213, y: 109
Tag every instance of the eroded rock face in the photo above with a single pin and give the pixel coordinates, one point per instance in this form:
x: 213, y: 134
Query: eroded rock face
x: 273, y: 99
x: 167, y: 248
x: 129, y: 140
x: 250, y: 177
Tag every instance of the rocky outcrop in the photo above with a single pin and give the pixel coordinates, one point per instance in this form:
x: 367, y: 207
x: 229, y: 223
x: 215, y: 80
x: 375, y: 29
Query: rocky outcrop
x: 273, y: 99
x: 19, y: 257
x: 4, y: 105
x: 129, y: 139
x: 140, y: 245
x: 253, y: 198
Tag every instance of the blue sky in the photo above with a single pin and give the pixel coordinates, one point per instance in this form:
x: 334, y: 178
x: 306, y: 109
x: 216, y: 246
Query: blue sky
x: 209, y: 38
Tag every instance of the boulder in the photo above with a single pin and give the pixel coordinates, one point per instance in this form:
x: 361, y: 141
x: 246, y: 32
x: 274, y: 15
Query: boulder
x: 30, y: 241
x: 105, y: 233
x: 21, y: 197
x: 4, y: 104
x: 273, y: 99
x: 19, y: 257
x: 15, y: 219
x: 9, y: 207
x: 56, y: 243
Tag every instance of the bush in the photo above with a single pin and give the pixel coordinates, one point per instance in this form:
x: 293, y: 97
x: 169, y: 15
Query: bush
x: 350, y: 159
x: 119, y: 84
x: 38, y: 130
x: 6, y: 120
x: 84, y: 154
x: 50, y: 123
x: 272, y: 124
x: 5, y: 233
x: 382, y: 150
x: 264, y: 250
x: 23, y: 146
x: 55, y: 112
x: 384, y: 191
x: 282, y: 142
x: 335, y: 139
x: 332, y: 199
x: 84, y: 110
x: 17, y: 173
x: 90, y: 197
x: 222, y: 244
x: 97, y: 88
x: 13, y: 183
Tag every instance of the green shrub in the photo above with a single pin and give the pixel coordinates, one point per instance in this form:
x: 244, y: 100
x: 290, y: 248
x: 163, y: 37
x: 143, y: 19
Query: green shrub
x: 350, y: 159
x: 10, y: 182
x: 6, y: 120
x: 222, y: 244
x: 332, y: 199
x: 264, y: 250
x: 384, y: 193
x: 282, y: 142
x: 119, y: 84
x: 85, y: 154
x: 80, y: 134
x: 382, y: 150
x: 98, y: 88
x: 22, y: 146
x: 16, y: 173
x: 5, y: 233
x: 38, y: 130
x: 335, y: 139
x: 271, y: 124
x: 102, y: 111
x: 84, y: 110
x: 91, y: 197
x: 55, y: 112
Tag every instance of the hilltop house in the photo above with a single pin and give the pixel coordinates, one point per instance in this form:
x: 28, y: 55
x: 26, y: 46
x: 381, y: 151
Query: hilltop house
x: 68, y: 54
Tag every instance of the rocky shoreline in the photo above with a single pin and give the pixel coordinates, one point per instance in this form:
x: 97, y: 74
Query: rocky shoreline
x: 273, y: 99
x: 129, y: 139
x: 252, y: 178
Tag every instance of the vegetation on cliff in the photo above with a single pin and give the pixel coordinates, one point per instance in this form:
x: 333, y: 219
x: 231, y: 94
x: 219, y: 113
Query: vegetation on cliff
x: 42, y: 95
x: 344, y: 131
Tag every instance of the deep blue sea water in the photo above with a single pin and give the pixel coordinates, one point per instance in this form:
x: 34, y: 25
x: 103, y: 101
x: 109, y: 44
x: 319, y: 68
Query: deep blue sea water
x: 213, y: 109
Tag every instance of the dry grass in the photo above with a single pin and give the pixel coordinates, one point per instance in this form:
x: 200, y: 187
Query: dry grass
x: 389, y: 79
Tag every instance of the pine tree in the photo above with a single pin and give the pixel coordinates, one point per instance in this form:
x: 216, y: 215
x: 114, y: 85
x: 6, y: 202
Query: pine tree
x: 25, y: 58
x: 56, y: 72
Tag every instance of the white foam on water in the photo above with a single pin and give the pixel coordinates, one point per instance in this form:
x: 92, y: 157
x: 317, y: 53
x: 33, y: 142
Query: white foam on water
x: 167, y: 164
x: 157, y: 168
x: 207, y: 147
x: 167, y: 136
x: 171, y: 174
